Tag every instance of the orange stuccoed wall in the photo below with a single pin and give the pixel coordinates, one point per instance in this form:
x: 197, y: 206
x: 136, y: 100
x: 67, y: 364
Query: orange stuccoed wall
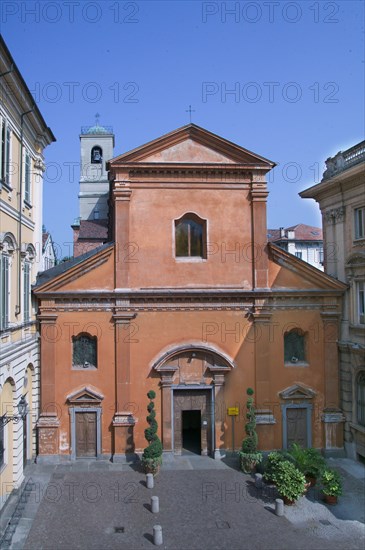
x: 198, y: 330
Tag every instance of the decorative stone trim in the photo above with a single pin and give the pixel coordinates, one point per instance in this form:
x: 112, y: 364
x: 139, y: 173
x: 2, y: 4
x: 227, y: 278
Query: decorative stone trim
x: 85, y: 395
x: 335, y: 215
x: 265, y: 417
x: 297, y: 391
x: 333, y: 417
x: 124, y: 419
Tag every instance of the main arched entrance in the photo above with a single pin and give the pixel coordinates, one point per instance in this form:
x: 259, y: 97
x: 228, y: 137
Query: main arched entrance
x: 192, y: 380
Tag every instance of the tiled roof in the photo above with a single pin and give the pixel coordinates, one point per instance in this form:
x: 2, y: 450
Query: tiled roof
x: 302, y: 232
x: 62, y: 267
x: 94, y: 229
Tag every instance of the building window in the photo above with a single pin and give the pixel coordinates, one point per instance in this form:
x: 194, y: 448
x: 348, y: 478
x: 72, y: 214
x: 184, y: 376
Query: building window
x: 84, y: 351
x: 2, y: 448
x: 190, y: 236
x: 4, y: 291
x: 96, y: 155
x: 299, y: 255
x: 361, y: 399
x: 5, y: 154
x: 294, y: 347
x: 361, y: 302
x: 27, y: 171
x: 7, y: 247
x: 26, y: 292
x: 360, y: 223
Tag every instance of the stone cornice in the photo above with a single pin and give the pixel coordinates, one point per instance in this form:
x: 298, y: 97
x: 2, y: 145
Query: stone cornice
x: 171, y: 304
x: 330, y: 186
x: 259, y: 304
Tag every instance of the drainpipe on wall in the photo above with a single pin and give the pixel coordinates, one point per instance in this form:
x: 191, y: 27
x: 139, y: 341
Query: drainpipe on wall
x: 18, y: 307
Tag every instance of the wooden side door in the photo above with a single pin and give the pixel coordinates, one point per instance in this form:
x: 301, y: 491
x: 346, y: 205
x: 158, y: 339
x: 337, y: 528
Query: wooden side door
x: 296, y: 426
x: 86, y: 434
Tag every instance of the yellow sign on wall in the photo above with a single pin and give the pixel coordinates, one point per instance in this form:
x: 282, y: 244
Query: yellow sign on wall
x: 233, y: 411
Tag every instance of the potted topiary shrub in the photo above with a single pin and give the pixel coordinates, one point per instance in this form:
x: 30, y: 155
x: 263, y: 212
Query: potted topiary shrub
x: 152, y: 454
x: 249, y: 455
x: 290, y: 482
x: 331, y: 485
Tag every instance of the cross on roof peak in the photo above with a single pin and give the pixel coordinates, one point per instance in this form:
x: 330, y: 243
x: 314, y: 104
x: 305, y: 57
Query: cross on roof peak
x: 190, y: 110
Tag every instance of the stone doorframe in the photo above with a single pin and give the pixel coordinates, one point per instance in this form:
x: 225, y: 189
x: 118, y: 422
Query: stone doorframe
x: 83, y: 401
x: 72, y: 412
x: 207, y: 439
x: 167, y: 373
x: 297, y: 396
x: 308, y: 407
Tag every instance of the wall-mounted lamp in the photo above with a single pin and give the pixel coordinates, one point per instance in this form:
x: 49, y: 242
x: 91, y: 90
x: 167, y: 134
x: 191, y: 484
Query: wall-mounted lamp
x: 22, y: 410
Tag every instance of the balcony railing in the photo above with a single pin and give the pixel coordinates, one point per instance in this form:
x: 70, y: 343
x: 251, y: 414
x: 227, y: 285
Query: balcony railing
x: 344, y: 160
x: 96, y: 129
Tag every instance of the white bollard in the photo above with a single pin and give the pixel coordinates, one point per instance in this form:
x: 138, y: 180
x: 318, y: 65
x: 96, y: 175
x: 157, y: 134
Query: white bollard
x: 279, y: 507
x: 258, y: 481
x: 157, y: 535
x: 149, y: 481
x: 155, y: 505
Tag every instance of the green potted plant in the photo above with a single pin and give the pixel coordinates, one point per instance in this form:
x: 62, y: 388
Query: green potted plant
x: 249, y: 455
x: 270, y: 466
x: 152, y: 454
x: 309, y: 461
x: 290, y: 482
x: 314, y: 465
x: 331, y: 485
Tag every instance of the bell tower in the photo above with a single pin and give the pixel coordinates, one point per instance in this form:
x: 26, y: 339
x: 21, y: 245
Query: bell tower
x: 90, y: 229
x: 97, y: 144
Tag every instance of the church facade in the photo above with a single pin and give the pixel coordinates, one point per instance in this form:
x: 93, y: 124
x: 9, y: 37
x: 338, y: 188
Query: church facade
x: 187, y: 298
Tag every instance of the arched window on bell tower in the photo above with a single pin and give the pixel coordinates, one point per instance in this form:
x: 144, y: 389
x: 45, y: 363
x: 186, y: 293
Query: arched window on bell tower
x: 96, y: 155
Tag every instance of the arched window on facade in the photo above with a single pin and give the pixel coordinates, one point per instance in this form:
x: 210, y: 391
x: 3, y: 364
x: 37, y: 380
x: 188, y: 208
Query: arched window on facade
x: 294, y: 347
x: 190, y: 236
x: 360, y: 390
x: 84, y: 351
x: 96, y: 155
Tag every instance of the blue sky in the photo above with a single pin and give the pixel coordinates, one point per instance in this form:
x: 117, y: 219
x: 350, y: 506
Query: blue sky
x: 283, y: 79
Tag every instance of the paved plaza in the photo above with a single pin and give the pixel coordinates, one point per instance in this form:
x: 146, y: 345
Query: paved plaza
x: 204, y: 504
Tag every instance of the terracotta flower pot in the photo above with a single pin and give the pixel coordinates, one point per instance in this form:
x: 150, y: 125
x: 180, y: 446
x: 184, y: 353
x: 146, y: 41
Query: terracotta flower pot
x: 331, y: 499
x: 311, y: 480
x: 288, y: 501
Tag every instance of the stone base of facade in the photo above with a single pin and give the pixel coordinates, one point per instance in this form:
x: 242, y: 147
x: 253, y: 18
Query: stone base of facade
x: 123, y: 426
x: 127, y: 458
x: 47, y: 427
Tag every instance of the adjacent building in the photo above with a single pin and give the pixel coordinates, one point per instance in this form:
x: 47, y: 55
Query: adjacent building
x: 341, y: 198
x: 188, y: 298
x: 48, y: 250
x: 24, y: 136
x: 304, y: 241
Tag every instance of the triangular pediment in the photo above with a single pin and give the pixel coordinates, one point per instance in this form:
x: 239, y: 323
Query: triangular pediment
x: 297, y: 391
x: 85, y: 396
x: 192, y: 144
x: 287, y: 272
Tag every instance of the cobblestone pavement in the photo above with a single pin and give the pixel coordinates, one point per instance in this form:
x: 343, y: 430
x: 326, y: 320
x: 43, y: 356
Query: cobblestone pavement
x: 204, y: 504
